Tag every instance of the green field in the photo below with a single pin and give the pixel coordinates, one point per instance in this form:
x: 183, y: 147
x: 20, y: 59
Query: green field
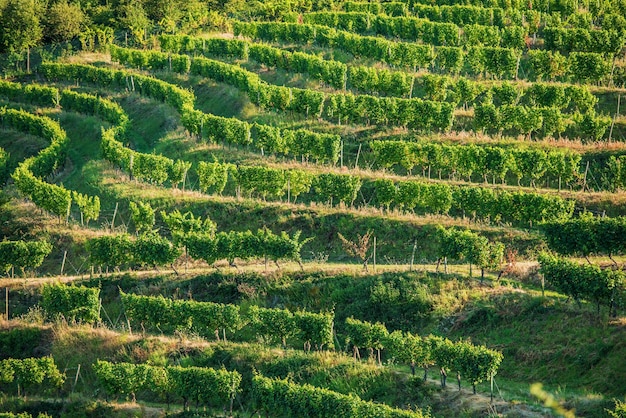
x: 287, y: 209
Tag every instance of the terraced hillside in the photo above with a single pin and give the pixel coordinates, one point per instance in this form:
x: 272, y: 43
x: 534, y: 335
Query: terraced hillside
x: 309, y: 209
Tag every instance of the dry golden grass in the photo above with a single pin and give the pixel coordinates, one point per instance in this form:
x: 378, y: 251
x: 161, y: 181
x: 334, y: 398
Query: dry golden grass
x: 480, y: 404
x: 86, y: 57
x: 129, y: 409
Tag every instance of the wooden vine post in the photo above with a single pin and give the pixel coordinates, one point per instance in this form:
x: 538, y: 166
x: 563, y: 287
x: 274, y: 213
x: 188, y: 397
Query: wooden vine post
x: 374, y: 256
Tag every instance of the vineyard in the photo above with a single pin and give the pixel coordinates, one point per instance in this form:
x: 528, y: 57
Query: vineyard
x: 320, y: 208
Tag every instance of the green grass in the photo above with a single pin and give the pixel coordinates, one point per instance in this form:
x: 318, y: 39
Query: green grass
x: 550, y: 340
x: 84, y: 146
x: 20, y: 146
x: 151, y: 121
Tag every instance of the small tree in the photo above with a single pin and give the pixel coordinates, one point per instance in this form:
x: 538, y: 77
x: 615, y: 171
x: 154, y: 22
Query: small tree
x: 464, y: 245
x: 362, y: 334
x: 134, y: 18
x: 273, y: 324
x: 491, y: 258
x: 411, y: 349
x: 89, y: 207
x: 142, y: 215
x: 152, y: 249
x: 359, y: 248
x: 21, y: 28
x: 182, y: 224
x: 23, y: 254
x: 64, y: 21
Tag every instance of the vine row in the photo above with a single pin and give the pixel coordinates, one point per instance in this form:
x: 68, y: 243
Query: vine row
x: 519, y: 208
x: 458, y: 90
x: 418, y: 29
x: 322, y: 147
x: 27, y: 176
x: 587, y: 235
x: 203, y: 385
x: 471, y: 161
x: 22, y: 254
x: 475, y: 363
x: 31, y: 372
x: 295, y: 400
x: 583, y: 281
x: 413, y: 113
x: 212, y: 319
x: 499, y: 62
x: 73, y: 303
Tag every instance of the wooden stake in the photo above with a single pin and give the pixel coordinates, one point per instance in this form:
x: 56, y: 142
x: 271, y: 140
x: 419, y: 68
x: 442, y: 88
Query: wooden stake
x: 131, y: 163
x: 114, y: 214
x: 585, y: 178
x: 356, y: 163
x: 413, y: 255
x: 101, y: 309
x: 76, y: 378
x: 619, y: 97
x: 374, y: 254
x: 63, y: 263
x: 6, y: 302
x: 341, y: 154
